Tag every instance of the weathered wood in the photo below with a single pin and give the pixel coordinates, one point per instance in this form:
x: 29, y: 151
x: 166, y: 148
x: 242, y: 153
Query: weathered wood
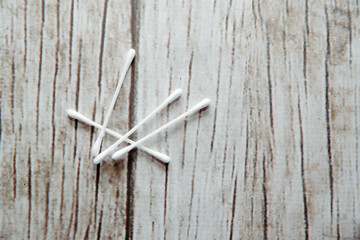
x: 58, y: 55
x: 275, y: 156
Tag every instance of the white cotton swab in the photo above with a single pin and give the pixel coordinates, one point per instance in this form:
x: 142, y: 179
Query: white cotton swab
x: 96, y: 147
x: 121, y: 153
x: 174, y: 96
x: 78, y: 116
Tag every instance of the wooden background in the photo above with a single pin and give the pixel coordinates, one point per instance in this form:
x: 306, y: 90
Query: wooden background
x: 275, y: 156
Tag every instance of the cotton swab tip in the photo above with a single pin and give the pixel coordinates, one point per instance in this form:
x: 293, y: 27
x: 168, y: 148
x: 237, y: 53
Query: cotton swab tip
x: 203, y: 104
x: 99, y: 158
x: 96, y: 147
x: 131, y: 53
x: 162, y: 157
x: 175, y: 95
x: 72, y: 113
x: 121, y: 153
x: 77, y: 116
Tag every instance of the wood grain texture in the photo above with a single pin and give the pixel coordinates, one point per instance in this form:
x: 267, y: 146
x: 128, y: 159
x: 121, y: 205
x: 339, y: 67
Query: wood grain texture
x: 276, y: 155
x: 57, y: 55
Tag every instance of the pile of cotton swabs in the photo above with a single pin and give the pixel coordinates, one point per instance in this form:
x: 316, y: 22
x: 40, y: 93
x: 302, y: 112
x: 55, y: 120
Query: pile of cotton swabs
x: 120, y: 154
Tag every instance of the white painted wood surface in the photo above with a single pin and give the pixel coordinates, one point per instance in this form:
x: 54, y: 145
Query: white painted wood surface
x: 275, y: 156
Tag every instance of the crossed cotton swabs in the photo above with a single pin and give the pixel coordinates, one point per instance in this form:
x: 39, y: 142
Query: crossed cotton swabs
x: 120, y: 154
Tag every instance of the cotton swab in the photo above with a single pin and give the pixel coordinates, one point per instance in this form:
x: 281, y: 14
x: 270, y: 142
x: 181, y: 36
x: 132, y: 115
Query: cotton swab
x: 204, y: 103
x: 96, y: 147
x: 78, y: 116
x: 174, y: 96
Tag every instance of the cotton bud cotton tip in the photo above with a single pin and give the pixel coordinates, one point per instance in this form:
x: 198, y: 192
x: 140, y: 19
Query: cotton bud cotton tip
x: 175, y: 95
x: 78, y: 116
x: 99, y: 158
x: 121, y: 154
x: 96, y: 147
x: 71, y: 113
x: 131, y: 53
x: 203, y: 104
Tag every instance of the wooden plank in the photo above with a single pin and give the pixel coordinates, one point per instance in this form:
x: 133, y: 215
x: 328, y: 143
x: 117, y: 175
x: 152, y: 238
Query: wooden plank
x: 58, y: 55
x: 276, y: 155
x: 343, y: 117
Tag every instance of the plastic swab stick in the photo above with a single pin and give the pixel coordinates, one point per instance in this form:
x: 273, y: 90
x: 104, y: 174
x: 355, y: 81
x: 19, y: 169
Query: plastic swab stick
x: 174, y: 96
x: 96, y: 147
x: 121, y: 153
x: 78, y: 116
